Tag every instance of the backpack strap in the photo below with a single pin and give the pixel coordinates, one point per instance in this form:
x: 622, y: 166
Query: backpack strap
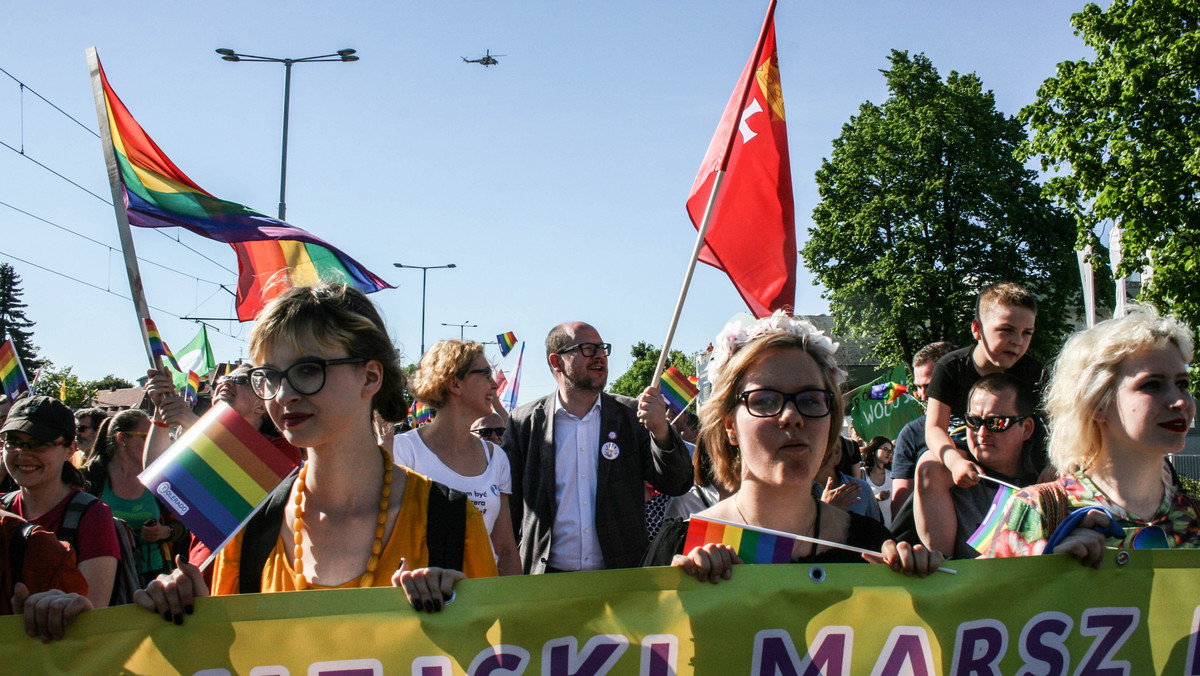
x: 446, y: 526
x: 73, y: 515
x: 260, y: 536
x: 16, y: 553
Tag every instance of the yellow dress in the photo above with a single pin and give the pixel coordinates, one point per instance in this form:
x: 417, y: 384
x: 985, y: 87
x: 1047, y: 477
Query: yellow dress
x: 407, y: 541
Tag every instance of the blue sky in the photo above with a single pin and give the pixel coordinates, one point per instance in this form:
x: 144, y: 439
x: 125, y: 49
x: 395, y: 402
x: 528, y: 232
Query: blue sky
x: 555, y: 181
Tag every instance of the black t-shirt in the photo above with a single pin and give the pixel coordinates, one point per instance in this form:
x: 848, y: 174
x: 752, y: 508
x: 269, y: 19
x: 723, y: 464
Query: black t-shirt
x: 910, y: 444
x: 955, y: 374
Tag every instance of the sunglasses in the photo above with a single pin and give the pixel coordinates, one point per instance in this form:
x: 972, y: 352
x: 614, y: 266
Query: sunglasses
x: 485, y: 432
x: 80, y: 429
x: 994, y: 423
x: 241, y: 379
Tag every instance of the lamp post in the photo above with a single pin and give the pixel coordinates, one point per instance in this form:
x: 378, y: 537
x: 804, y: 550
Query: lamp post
x: 339, y: 55
x: 462, y: 328
x: 424, y: 274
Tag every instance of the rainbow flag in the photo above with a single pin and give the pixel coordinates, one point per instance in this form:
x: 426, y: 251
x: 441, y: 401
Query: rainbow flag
x: 506, y: 341
x: 981, y: 539
x: 158, y: 346
x: 217, y: 475
x: 272, y: 255
x: 11, y: 371
x: 753, y: 546
x: 889, y: 391
x: 191, y: 389
x: 507, y: 391
x: 678, y: 389
x: 419, y: 414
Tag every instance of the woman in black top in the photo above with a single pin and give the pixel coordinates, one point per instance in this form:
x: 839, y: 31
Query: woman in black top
x: 774, y: 410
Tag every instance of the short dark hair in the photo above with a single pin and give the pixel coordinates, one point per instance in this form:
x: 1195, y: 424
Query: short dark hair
x: 999, y: 383
x: 94, y: 416
x: 931, y: 353
x: 557, y: 340
x: 1004, y: 294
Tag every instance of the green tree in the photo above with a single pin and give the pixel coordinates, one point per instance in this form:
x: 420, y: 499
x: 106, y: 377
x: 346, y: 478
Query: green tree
x: 13, y: 323
x: 1122, y: 131
x: 51, y: 384
x: 109, y: 382
x: 922, y: 203
x: 645, y: 358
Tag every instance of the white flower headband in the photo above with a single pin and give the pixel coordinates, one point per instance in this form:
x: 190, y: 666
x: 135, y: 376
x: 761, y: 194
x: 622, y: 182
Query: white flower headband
x: 736, y: 334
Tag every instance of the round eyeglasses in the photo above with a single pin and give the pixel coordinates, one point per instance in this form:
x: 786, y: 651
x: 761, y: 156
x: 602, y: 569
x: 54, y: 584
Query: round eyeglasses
x: 306, y: 376
x: 764, y: 403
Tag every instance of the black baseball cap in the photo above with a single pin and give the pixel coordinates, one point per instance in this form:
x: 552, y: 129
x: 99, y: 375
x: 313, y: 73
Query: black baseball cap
x: 43, y: 418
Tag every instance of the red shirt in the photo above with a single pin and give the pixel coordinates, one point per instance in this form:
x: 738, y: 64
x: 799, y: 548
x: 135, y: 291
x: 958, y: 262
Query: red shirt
x: 97, y: 534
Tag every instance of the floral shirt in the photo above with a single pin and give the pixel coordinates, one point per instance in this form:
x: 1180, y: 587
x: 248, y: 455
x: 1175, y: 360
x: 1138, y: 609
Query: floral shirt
x: 1024, y: 529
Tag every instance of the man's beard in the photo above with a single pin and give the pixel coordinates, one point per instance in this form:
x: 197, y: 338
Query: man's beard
x: 588, y: 382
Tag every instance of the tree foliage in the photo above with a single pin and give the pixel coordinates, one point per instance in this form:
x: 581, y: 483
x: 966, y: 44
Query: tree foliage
x: 645, y: 358
x: 922, y: 203
x: 1123, y: 130
x: 13, y: 323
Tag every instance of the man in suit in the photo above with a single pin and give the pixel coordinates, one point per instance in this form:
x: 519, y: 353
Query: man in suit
x: 580, y: 459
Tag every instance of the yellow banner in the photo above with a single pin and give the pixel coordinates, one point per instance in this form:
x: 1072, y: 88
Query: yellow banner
x: 1043, y: 615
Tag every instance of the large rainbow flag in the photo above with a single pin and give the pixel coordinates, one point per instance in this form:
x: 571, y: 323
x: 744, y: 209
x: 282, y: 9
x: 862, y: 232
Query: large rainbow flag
x: 272, y: 255
x: 11, y: 371
x: 217, y: 475
x: 889, y: 391
x: 753, y: 546
x: 678, y: 389
x: 981, y: 539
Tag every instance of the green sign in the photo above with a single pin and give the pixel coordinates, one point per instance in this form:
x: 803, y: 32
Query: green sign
x: 876, y: 417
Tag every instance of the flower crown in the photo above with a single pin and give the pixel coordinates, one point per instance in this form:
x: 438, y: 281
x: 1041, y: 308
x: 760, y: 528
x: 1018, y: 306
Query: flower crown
x: 736, y: 334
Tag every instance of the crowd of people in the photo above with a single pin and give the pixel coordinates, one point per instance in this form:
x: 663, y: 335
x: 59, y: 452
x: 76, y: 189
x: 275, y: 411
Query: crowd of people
x: 582, y: 479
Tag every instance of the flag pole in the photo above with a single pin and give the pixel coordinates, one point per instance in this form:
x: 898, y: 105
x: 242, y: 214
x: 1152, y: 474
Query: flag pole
x: 136, y: 291
x: 685, y: 408
x: 712, y: 200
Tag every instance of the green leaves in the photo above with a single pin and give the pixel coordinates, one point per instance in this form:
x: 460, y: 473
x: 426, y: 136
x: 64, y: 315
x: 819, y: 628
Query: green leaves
x: 923, y: 202
x: 645, y: 359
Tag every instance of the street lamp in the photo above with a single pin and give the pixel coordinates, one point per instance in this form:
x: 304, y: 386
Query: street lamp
x: 424, y: 273
x: 339, y: 55
x: 462, y: 327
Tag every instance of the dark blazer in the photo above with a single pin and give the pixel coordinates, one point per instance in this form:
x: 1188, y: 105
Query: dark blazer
x: 620, y: 491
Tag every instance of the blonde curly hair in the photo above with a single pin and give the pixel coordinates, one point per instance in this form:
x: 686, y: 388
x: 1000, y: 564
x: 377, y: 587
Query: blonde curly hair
x: 440, y: 365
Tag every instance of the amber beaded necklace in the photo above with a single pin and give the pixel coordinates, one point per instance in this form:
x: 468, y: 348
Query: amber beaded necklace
x: 368, y: 578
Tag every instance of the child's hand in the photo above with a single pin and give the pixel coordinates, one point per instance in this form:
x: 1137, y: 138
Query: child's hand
x: 965, y: 472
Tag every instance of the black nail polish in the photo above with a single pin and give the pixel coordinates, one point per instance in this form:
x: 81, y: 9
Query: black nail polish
x: 437, y: 606
x: 188, y: 609
x: 178, y: 619
x: 416, y: 605
x: 167, y: 615
x: 429, y: 606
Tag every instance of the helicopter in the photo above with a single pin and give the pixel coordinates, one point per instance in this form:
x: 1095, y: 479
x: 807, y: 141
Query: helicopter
x: 488, y: 59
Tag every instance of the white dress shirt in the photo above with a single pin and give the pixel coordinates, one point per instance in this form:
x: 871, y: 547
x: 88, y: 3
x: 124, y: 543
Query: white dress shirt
x: 574, y: 545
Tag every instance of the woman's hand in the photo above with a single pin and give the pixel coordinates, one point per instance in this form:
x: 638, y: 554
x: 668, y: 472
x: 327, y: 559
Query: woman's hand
x: 1085, y: 542
x: 153, y: 531
x: 427, y: 589
x: 173, y: 594
x: 711, y: 562
x: 905, y: 558
x: 47, y: 613
x: 841, y: 497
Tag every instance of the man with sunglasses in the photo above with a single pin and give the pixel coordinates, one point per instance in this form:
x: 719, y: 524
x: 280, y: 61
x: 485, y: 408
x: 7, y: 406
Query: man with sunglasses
x: 580, y: 460
x: 999, y: 421
x: 87, y: 421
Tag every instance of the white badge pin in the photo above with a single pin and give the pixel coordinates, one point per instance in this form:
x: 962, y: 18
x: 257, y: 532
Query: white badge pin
x: 610, y: 451
x: 612, y: 436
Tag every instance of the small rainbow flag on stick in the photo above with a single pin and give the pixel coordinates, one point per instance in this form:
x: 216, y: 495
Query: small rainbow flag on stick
x: 158, y: 347
x: 419, y: 414
x: 191, y: 389
x: 217, y: 475
x: 981, y: 539
x: 11, y: 371
x: 678, y: 390
x: 506, y: 341
x: 889, y: 391
x: 753, y: 546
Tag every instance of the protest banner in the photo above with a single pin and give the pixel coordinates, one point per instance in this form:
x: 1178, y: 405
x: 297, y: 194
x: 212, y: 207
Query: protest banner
x: 875, y: 417
x: 1047, y: 615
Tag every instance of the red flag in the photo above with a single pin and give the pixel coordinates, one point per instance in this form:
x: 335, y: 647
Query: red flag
x: 752, y: 228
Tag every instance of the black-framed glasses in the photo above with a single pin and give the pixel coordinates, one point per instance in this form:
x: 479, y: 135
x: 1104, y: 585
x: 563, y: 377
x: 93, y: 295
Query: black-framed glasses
x: 589, y: 349
x: 487, y: 372
x: 765, y: 403
x: 994, y: 423
x: 28, y: 445
x: 240, y: 379
x: 486, y: 432
x: 307, y: 376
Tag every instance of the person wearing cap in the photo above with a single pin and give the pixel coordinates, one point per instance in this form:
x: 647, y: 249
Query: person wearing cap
x: 37, y: 440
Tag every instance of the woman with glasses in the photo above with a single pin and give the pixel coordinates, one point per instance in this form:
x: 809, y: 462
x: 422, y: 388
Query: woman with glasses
x: 455, y: 379
x: 350, y: 518
x: 37, y: 438
x: 1118, y: 403
x: 774, y: 413
x: 112, y: 476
